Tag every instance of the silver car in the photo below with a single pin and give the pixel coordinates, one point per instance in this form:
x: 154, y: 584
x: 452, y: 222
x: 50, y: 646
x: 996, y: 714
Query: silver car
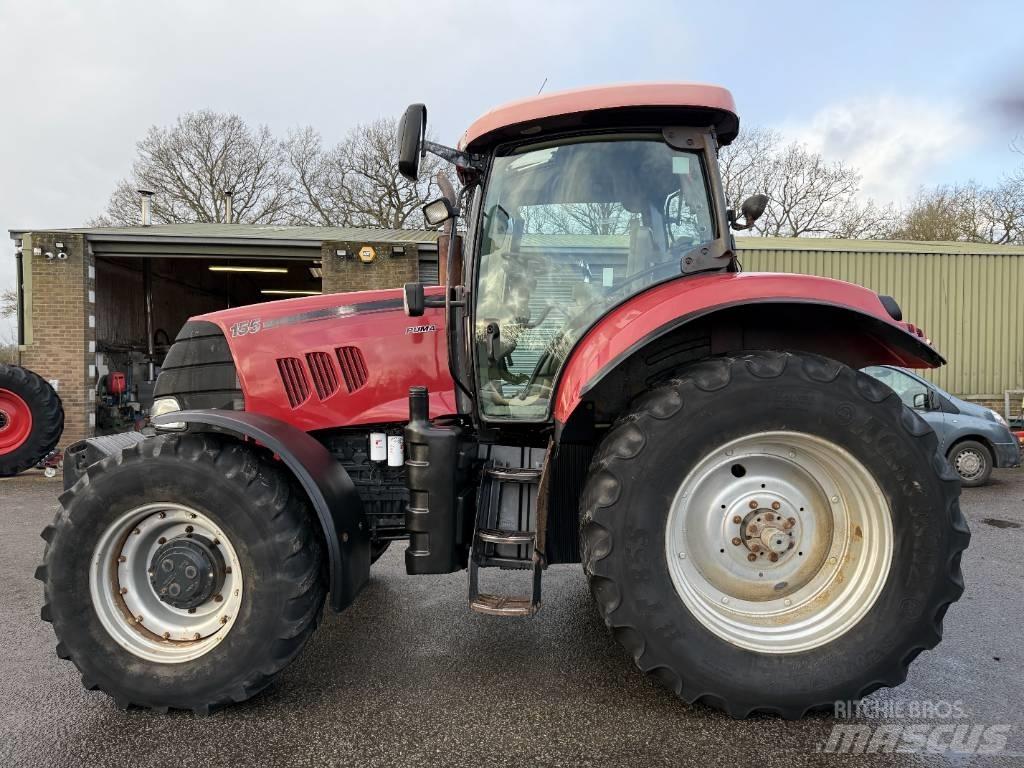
x: 974, y: 438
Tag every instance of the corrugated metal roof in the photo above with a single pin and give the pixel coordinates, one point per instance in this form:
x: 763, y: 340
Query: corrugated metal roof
x: 874, y: 246
x: 249, y: 232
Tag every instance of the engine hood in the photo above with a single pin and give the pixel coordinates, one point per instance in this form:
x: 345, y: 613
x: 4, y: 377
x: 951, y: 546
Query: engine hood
x: 337, y: 360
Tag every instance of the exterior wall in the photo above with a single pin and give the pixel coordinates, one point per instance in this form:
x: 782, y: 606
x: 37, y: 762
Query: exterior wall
x: 970, y: 304
x: 390, y: 269
x: 60, y: 332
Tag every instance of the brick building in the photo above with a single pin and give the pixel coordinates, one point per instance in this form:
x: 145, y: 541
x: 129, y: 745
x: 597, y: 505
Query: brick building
x: 95, y: 300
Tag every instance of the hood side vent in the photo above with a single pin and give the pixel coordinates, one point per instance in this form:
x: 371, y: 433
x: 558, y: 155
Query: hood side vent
x: 353, y: 367
x: 325, y: 375
x: 296, y: 386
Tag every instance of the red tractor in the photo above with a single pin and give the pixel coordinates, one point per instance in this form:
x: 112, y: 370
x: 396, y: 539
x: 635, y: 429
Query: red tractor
x: 763, y: 527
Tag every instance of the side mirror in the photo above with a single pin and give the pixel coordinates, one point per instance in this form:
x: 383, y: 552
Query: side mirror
x: 412, y: 130
x: 924, y: 401
x: 438, y: 211
x: 751, y: 210
x: 413, y: 299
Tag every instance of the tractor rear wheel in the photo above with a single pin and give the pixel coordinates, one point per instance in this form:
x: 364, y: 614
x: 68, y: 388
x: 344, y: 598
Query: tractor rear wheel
x: 185, y: 573
x: 772, y: 532
x: 31, y: 419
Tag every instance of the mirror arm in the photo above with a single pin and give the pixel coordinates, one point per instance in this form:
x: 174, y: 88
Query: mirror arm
x: 465, y: 161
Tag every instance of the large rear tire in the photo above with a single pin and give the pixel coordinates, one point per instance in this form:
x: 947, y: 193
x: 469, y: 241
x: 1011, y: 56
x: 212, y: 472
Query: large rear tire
x: 772, y: 532
x: 185, y: 573
x: 31, y: 419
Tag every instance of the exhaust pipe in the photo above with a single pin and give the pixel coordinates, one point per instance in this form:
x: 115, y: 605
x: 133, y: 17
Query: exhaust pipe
x: 147, y: 207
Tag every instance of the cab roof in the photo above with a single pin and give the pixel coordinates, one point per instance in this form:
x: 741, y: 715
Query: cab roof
x: 653, y: 104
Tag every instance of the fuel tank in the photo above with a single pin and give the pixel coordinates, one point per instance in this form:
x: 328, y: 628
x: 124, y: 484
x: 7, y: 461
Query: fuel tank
x: 317, y: 362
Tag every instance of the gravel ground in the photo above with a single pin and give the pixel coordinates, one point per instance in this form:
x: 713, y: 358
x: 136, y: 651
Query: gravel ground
x: 409, y: 676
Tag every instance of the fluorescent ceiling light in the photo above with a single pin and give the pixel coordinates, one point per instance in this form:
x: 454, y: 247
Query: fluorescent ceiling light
x: 317, y: 272
x: 225, y: 268
x: 284, y: 292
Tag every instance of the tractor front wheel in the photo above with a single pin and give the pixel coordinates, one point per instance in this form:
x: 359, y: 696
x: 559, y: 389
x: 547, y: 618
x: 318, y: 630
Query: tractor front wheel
x: 184, y: 573
x: 772, y: 532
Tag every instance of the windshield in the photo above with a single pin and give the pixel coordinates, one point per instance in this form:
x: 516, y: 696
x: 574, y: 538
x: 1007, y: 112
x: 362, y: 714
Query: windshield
x: 903, y: 384
x: 567, y: 231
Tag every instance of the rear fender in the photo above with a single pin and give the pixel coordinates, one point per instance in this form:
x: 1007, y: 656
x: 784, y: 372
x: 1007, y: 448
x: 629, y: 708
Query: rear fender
x: 326, y: 483
x: 690, y: 318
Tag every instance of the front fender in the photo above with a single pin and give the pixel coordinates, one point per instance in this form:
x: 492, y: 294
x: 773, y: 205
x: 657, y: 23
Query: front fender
x: 667, y: 307
x: 325, y: 481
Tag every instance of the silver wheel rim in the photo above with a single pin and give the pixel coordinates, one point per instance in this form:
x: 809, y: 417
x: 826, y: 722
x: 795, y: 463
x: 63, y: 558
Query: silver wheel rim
x: 779, y: 542
x: 127, y: 603
x: 969, y: 464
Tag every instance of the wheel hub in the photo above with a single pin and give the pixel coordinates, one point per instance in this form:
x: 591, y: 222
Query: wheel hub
x: 968, y: 463
x: 187, y: 571
x: 766, y: 533
x: 779, y: 541
x: 166, y: 582
x: 15, y: 421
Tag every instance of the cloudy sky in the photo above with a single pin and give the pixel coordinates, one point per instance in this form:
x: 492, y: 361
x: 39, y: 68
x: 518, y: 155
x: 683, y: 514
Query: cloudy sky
x: 901, y: 89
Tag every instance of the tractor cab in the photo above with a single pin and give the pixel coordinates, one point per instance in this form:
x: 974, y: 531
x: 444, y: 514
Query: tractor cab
x: 576, y: 202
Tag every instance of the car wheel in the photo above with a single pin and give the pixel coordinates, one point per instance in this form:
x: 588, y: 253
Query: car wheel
x: 972, y: 461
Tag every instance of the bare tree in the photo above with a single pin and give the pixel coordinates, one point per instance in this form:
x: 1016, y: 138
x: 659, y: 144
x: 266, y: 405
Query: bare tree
x: 808, y: 196
x: 968, y: 212
x: 8, y: 302
x: 190, y: 166
x: 357, y: 183
x: 745, y: 165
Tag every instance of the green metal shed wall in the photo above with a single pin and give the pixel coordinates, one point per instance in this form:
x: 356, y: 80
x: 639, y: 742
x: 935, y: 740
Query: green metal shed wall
x: 970, y: 303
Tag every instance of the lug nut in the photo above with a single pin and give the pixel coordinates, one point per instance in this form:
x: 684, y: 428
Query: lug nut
x: 217, y: 599
x: 163, y: 515
x: 167, y: 635
x: 775, y: 505
x: 751, y: 557
x: 138, y: 619
x: 773, y: 557
x: 188, y: 529
x: 191, y: 610
x: 736, y: 541
x: 161, y: 540
x: 769, y: 517
x: 737, y: 519
x: 196, y: 636
x: 752, y: 505
x: 136, y: 531
x: 223, y: 619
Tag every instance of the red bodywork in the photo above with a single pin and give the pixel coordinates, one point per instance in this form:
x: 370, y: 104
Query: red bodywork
x: 400, y: 351
x: 630, y: 324
x: 396, y: 350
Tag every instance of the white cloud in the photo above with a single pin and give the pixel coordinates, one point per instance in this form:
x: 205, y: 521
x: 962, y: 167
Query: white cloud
x: 895, y: 143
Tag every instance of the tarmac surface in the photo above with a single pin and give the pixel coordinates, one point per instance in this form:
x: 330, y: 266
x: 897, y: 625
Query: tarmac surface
x: 409, y: 676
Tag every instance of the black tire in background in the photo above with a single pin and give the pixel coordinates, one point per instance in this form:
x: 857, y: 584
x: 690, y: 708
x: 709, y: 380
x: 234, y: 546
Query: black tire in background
x: 669, y: 430
x: 34, y: 394
x: 980, y: 454
x: 266, y: 518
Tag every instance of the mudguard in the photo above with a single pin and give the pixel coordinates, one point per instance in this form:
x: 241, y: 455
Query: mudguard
x: 330, y: 490
x: 662, y: 309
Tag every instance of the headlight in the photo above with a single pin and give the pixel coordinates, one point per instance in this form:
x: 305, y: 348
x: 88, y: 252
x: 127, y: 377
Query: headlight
x: 166, y: 405
x: 998, y: 417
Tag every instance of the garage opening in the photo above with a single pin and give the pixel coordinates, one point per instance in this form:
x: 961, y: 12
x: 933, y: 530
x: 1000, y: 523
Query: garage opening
x: 128, y: 337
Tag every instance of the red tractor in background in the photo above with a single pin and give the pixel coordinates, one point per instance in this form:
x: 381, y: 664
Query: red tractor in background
x: 763, y: 527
